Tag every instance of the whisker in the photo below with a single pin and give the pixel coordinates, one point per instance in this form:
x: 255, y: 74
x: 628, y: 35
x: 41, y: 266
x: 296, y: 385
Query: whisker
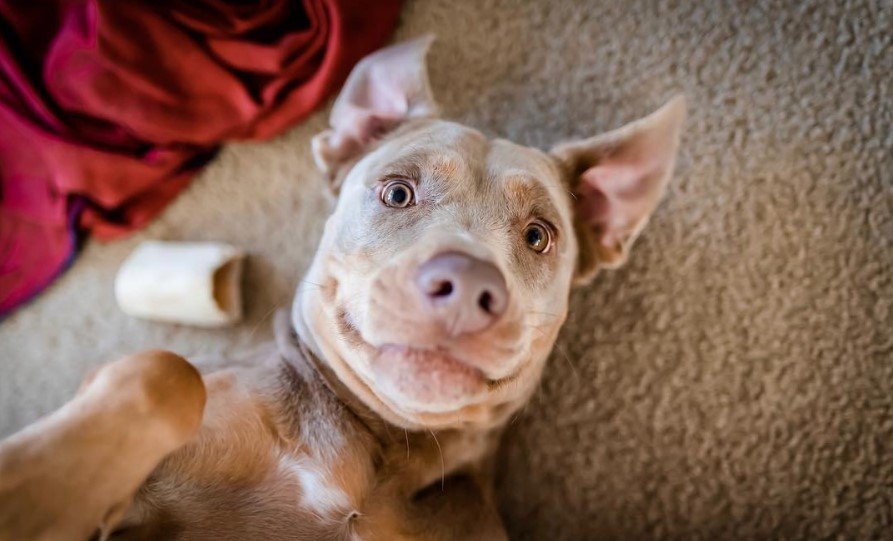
x: 567, y: 359
x: 569, y: 363
x: 442, y: 464
x: 537, y: 327
x: 545, y: 314
x: 267, y: 315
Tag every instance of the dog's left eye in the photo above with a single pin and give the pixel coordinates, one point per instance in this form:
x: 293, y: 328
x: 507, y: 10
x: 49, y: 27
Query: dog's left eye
x: 538, y: 237
x: 398, y: 194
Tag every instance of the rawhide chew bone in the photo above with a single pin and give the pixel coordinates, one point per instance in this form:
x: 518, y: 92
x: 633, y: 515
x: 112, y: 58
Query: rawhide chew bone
x: 197, y: 283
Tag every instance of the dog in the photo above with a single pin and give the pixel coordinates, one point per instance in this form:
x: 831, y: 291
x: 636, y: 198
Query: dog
x: 422, y: 325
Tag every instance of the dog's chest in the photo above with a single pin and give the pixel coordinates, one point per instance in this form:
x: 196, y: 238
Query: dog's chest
x: 286, y: 460
x: 362, y: 487
x: 365, y: 492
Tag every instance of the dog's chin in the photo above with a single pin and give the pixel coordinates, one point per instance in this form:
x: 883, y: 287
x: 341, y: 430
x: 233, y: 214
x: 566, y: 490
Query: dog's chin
x: 426, y: 380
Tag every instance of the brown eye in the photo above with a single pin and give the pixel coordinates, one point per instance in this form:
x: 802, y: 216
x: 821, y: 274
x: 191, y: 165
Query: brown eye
x: 398, y: 194
x: 538, y: 237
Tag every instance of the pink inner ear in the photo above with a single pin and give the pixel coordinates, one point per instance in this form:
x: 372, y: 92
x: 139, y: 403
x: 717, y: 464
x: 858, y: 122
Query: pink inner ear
x: 617, y: 197
x: 383, y: 90
x: 361, y: 126
x: 623, y: 175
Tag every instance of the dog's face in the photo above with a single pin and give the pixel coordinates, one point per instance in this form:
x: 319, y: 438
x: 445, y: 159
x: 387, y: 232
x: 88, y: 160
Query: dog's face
x: 444, y: 272
x: 443, y: 275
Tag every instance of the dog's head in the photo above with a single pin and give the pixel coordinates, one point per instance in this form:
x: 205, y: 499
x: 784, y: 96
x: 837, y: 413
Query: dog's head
x: 442, y: 278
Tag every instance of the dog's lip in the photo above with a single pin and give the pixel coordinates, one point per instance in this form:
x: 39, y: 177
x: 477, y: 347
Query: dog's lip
x: 437, y: 355
x: 446, y: 359
x: 429, y: 379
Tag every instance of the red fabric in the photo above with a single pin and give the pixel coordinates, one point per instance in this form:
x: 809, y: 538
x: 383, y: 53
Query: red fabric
x: 109, y: 107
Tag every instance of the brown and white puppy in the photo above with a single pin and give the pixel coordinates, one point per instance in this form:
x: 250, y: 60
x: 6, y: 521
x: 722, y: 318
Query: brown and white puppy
x: 424, y: 322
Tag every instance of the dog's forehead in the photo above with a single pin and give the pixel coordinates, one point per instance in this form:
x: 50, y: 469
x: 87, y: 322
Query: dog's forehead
x: 428, y: 138
x: 463, y: 155
x: 441, y: 140
x: 507, y: 159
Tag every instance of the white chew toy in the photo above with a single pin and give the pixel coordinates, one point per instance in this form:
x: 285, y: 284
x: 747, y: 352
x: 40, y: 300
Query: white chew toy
x: 197, y: 283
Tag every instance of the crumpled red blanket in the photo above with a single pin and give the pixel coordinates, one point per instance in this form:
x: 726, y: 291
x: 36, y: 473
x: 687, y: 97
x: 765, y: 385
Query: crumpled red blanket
x: 108, y: 107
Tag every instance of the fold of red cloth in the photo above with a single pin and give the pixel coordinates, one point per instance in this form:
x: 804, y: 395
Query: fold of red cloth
x: 108, y: 108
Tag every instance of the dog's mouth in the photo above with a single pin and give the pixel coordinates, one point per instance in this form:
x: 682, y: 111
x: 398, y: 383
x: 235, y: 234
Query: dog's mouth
x: 425, y: 378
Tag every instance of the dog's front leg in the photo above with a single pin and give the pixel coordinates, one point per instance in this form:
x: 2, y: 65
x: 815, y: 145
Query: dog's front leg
x: 75, y: 471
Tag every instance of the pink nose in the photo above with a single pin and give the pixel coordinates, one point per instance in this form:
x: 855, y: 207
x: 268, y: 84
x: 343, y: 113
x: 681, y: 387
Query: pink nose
x: 465, y: 293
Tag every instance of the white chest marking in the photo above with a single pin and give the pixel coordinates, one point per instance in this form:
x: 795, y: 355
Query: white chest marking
x: 319, y: 492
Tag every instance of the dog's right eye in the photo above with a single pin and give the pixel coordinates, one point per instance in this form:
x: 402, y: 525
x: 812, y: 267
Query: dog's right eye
x: 398, y: 194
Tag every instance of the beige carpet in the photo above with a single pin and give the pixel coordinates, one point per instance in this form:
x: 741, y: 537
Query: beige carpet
x: 735, y: 380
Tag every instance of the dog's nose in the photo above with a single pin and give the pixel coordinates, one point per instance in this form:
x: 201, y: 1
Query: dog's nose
x: 466, y: 293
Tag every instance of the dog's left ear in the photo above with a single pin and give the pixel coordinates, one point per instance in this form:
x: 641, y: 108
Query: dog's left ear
x: 384, y: 90
x: 617, y: 179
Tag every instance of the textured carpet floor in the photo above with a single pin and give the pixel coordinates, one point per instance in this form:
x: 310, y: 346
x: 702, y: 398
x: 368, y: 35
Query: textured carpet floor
x: 735, y: 380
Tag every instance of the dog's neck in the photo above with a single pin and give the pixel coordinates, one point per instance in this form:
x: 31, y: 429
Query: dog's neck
x: 301, y: 356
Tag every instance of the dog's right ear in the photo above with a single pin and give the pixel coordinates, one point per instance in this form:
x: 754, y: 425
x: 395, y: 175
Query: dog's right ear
x: 617, y: 180
x: 385, y: 89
